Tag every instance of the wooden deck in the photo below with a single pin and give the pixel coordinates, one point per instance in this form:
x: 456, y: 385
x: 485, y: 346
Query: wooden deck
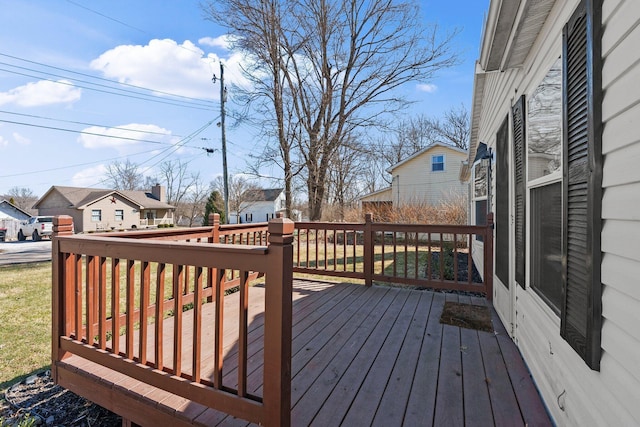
x: 361, y: 356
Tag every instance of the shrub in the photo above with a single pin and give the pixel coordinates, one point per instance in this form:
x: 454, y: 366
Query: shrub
x: 451, y: 210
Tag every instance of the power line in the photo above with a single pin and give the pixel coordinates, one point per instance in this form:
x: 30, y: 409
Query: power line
x: 121, y: 22
x: 84, y: 132
x: 86, y: 124
x: 143, y: 97
x: 180, y: 144
x: 98, y: 78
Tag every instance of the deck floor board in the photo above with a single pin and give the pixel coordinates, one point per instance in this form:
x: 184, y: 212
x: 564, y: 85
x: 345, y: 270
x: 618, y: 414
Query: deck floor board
x: 360, y: 356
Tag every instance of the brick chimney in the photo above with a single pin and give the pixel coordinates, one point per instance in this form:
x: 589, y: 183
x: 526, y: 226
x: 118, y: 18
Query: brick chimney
x: 159, y: 192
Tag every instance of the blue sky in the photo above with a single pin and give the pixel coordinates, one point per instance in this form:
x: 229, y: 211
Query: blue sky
x: 59, y: 67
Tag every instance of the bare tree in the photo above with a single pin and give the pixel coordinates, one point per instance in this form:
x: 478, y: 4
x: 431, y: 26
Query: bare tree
x: 346, y: 178
x: 242, y: 194
x: 412, y: 135
x: 125, y: 176
x: 330, y: 67
x: 195, y: 201
x: 454, y: 128
x: 21, y: 197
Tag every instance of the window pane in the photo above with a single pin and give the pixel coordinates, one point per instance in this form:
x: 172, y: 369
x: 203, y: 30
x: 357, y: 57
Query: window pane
x: 544, y: 120
x: 437, y: 163
x: 119, y: 215
x: 481, y: 214
x: 96, y: 215
x: 480, y: 181
x: 546, y: 242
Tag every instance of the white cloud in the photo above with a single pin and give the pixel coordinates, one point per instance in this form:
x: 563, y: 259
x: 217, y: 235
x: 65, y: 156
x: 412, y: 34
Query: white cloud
x: 124, y: 136
x: 22, y: 140
x: 90, y: 176
x: 426, y: 87
x: 223, y: 41
x: 3, y: 142
x: 43, y: 92
x: 166, y: 66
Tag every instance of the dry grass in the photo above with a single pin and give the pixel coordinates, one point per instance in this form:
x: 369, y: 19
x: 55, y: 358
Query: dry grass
x: 451, y: 210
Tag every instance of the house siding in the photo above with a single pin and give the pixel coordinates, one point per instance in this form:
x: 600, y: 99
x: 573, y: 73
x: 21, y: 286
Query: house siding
x: 414, y: 181
x: 56, y: 204
x: 575, y: 394
x: 108, y: 220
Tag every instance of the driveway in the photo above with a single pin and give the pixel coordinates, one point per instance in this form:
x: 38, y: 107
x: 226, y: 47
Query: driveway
x: 25, y: 252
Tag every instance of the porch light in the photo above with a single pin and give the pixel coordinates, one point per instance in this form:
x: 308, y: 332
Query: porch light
x: 485, y: 161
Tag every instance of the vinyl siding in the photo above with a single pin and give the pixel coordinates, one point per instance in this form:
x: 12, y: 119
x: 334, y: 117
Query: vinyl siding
x: 417, y: 183
x: 576, y: 395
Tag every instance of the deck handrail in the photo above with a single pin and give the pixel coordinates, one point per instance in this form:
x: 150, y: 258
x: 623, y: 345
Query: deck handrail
x: 421, y: 255
x: 87, y: 316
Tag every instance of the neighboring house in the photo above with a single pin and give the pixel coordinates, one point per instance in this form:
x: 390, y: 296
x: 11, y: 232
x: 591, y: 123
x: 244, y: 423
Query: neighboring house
x: 429, y: 176
x: 260, y: 205
x: 557, y: 102
x: 10, y: 218
x: 378, y: 201
x: 95, y: 209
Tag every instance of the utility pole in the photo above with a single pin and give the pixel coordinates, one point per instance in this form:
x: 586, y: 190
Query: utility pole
x: 225, y: 175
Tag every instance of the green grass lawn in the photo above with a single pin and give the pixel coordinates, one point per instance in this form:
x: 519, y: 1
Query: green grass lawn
x: 25, y: 320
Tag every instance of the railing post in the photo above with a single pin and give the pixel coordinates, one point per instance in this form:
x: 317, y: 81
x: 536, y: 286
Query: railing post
x: 488, y: 257
x: 62, y: 226
x: 368, y: 249
x: 214, y: 220
x: 278, y: 324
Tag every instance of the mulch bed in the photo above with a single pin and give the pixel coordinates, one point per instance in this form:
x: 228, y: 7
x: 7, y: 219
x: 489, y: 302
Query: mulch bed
x: 39, y: 399
x: 467, y: 316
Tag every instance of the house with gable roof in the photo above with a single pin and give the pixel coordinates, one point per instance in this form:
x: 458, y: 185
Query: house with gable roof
x: 94, y: 209
x: 429, y: 176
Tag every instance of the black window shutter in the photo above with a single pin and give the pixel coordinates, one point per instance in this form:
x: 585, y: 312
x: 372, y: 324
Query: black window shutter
x: 502, y: 258
x: 520, y: 181
x: 582, y: 182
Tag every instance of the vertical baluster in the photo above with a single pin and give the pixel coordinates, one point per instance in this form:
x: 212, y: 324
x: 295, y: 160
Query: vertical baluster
x: 308, y: 264
x: 178, y: 276
x: 469, y: 258
x: 243, y: 323
x: 417, y: 255
x: 324, y: 239
x: 145, y: 278
x: 315, y: 239
x: 395, y: 255
x: 345, y: 254
x: 298, y: 249
x: 90, y: 283
x: 131, y: 295
x: 335, y: 258
x: 78, y: 292
x: 455, y: 257
x: 219, y: 331
x: 115, y: 305
x: 430, y: 258
x: 159, y: 317
x: 102, y: 297
x: 406, y: 256
x: 441, y: 257
x: 197, y: 323
x: 355, y: 247
x: 383, y: 245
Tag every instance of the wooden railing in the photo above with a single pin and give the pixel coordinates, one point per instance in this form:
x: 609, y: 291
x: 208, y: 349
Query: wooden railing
x: 112, y: 293
x: 430, y: 256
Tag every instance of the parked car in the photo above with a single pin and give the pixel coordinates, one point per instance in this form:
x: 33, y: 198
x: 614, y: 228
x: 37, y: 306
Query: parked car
x: 37, y: 227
